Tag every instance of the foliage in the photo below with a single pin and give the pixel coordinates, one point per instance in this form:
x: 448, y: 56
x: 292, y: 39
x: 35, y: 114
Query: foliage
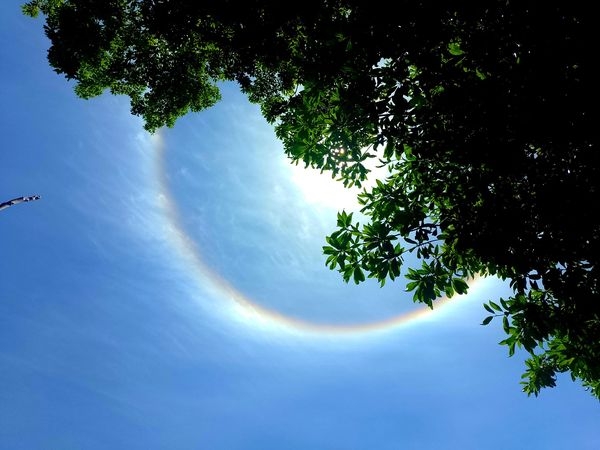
x: 484, y: 115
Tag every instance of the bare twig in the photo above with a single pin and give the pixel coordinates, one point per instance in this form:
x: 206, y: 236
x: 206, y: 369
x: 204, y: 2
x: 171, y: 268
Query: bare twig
x: 16, y: 201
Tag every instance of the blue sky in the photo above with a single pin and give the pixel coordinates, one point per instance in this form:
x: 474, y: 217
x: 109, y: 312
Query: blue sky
x: 124, y: 318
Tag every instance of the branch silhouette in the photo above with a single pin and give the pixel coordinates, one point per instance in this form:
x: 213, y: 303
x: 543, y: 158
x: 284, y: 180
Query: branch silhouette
x: 16, y: 201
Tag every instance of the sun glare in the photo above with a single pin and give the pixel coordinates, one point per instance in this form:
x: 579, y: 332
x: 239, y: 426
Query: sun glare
x: 320, y: 189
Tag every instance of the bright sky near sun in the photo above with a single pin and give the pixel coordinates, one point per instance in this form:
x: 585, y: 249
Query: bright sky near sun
x: 169, y: 292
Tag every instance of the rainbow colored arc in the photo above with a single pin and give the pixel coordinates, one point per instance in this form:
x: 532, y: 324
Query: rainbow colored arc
x: 244, y: 305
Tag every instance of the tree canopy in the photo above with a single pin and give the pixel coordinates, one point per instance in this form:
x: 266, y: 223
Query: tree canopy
x: 484, y: 114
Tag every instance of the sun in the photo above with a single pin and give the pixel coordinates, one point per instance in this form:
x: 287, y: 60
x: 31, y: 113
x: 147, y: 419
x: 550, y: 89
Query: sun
x: 320, y: 189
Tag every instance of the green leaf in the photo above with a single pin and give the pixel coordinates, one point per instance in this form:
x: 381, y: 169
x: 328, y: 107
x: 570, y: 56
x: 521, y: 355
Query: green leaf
x: 505, y: 324
x: 411, y: 286
x: 460, y: 286
x: 359, y: 275
x: 495, y: 306
x: 487, y: 320
x: 327, y: 250
x: 347, y: 273
x: 454, y: 49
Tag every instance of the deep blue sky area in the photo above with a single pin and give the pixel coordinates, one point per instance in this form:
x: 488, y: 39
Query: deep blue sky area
x: 169, y: 292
